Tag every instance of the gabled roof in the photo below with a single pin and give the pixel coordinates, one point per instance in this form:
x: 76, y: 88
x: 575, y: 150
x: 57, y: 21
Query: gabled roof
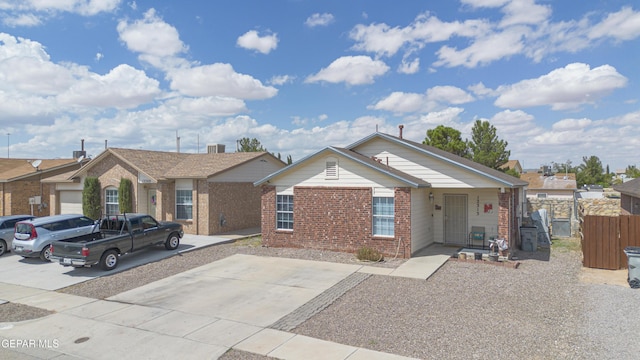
x: 448, y: 157
x: 512, y: 164
x: 359, y: 158
x: 17, y: 169
x: 631, y: 187
x: 160, y: 165
x: 205, y: 165
x: 555, y: 182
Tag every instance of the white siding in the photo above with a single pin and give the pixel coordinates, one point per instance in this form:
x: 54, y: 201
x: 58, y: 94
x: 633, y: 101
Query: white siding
x: 476, y: 200
x: 351, y: 174
x: 251, y: 171
x: 438, y: 173
x: 421, y: 219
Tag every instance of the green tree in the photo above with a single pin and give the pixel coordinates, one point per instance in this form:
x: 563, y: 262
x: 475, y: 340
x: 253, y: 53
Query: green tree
x: 125, y: 196
x: 91, y: 205
x: 447, y: 139
x: 485, y: 146
x: 591, y: 172
x: 632, y: 171
x: 250, y: 145
x: 289, y: 160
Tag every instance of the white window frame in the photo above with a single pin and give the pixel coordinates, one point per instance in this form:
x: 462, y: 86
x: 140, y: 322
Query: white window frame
x: 109, y: 200
x: 541, y: 195
x: 388, y: 228
x: 284, y: 207
x: 184, y: 187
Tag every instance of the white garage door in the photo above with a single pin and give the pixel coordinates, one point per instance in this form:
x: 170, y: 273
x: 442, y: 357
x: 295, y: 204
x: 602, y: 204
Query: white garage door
x: 70, y: 202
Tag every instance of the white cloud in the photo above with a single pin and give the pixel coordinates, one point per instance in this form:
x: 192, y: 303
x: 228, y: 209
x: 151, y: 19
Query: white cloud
x: 400, y: 102
x: 151, y: 36
x: 571, y: 124
x: 519, y: 12
x: 281, y: 79
x: 352, y: 70
x: 564, y: 88
x: 122, y: 88
x: 411, y: 67
x: 622, y: 25
x: 480, y: 90
x: 318, y: 19
x: 218, y: 80
x: 434, y: 98
x: 263, y: 44
x: 36, y: 12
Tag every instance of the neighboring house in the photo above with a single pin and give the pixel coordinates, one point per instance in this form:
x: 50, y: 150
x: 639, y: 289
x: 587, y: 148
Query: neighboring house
x: 512, y: 164
x: 391, y: 194
x: 207, y: 193
x: 21, y: 188
x: 558, y: 186
x: 629, y: 196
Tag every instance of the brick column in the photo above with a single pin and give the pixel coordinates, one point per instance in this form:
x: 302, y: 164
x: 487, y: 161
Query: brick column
x: 504, y: 211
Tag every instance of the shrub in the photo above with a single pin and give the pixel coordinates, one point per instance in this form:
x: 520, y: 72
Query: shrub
x: 125, y: 199
x: 366, y: 253
x: 91, y: 198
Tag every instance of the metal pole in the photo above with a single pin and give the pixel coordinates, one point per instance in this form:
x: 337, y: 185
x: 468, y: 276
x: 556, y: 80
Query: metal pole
x: 8, y: 136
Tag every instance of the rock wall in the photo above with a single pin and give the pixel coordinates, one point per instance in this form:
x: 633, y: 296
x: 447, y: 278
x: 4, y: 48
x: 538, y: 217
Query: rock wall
x: 602, y: 207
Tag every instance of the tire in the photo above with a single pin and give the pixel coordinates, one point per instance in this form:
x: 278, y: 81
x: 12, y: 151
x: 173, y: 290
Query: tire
x: 634, y: 284
x: 172, y: 242
x: 109, y: 260
x: 45, y: 253
x: 3, y: 247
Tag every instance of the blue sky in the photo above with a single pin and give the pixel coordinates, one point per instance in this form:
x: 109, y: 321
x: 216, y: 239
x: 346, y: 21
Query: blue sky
x: 558, y: 79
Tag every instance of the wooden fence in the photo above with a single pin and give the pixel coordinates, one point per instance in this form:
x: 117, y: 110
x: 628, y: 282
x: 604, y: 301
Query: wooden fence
x: 604, y: 239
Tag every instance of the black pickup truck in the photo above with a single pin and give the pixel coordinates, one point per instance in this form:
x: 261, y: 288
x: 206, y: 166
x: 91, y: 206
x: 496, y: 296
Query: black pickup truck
x: 119, y: 235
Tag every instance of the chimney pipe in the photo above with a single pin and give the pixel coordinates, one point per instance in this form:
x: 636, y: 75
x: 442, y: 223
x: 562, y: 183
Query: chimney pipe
x: 400, y: 127
x: 82, y: 144
x: 105, y: 144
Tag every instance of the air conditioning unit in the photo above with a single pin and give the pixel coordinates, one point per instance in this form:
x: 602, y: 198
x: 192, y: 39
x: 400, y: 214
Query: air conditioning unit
x: 35, y: 200
x: 215, y: 149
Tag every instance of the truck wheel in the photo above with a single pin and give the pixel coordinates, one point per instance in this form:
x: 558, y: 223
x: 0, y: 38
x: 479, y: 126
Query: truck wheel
x: 172, y: 242
x: 3, y: 247
x: 45, y: 253
x: 109, y: 260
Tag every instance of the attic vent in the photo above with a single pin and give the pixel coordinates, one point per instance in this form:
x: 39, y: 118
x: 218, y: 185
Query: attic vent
x: 215, y: 149
x: 331, y: 169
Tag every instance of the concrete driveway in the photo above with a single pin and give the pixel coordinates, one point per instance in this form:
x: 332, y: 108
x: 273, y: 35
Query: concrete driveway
x: 35, y: 273
x: 198, y: 314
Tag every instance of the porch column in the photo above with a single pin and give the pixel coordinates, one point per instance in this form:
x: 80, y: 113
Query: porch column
x: 504, y: 211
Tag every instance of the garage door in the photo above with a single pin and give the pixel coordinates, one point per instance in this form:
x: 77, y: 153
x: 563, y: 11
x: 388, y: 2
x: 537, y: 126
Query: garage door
x: 70, y: 202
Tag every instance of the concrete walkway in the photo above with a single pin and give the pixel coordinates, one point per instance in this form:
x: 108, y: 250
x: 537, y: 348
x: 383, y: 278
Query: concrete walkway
x: 243, y: 302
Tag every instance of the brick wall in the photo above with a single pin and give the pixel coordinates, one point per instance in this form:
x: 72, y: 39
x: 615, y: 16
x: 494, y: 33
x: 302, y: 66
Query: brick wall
x: 17, y: 194
x: 237, y: 203
x: 109, y: 171
x: 336, y: 219
x: 504, y: 220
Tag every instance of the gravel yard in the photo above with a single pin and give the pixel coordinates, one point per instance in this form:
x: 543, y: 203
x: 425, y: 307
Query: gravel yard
x: 465, y: 310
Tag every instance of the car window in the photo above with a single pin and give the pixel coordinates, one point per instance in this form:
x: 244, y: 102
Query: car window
x: 23, y: 228
x: 83, y: 221
x: 5, y: 225
x: 136, y: 226
x: 148, y: 222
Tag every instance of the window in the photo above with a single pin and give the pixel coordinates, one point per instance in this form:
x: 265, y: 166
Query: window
x: 111, y: 201
x: 284, y: 212
x: 383, y: 216
x: 542, y: 195
x: 184, y: 204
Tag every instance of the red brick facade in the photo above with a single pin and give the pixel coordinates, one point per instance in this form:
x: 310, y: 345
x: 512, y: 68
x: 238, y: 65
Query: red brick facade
x: 507, y: 216
x: 336, y: 219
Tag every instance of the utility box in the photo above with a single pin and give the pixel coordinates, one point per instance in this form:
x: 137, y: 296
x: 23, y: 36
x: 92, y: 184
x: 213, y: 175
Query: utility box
x: 529, y: 238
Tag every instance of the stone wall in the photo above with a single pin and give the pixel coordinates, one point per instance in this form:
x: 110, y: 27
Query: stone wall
x: 602, y: 207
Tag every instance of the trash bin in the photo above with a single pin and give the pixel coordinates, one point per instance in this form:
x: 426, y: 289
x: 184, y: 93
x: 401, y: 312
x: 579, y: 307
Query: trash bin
x: 633, y: 258
x: 529, y: 238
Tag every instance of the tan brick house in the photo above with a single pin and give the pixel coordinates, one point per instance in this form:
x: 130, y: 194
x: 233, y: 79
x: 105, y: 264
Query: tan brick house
x: 21, y: 184
x: 208, y: 193
x: 629, y: 197
x: 394, y: 195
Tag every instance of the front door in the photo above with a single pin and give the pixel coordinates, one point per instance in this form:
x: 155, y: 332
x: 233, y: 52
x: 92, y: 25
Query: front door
x: 455, y: 219
x: 151, y: 202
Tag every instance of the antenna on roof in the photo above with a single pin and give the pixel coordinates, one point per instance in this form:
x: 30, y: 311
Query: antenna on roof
x: 36, y: 163
x: 79, y: 159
